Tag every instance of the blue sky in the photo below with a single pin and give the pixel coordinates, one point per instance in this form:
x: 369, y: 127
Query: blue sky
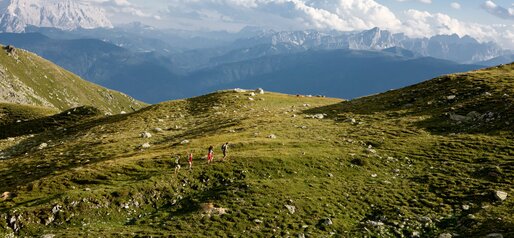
x: 485, y: 20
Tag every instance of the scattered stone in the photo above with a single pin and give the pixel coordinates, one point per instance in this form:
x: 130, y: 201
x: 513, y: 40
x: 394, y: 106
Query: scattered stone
x: 445, y: 235
x: 451, y: 97
x: 158, y: 130
x: 465, y: 207
x: 56, y: 209
x: 291, y: 209
x: 500, y: 195
x: 123, y: 112
x: 252, y: 94
x: 87, y: 189
x: 251, y: 99
x: 258, y: 221
x: 184, y: 142
x: 42, y: 146
x: 238, y: 90
x: 146, y: 145
x: 330, y: 175
x: 425, y: 219
x: 6, y: 196
x: 146, y: 135
x: 317, y: 116
x: 374, y: 223
x: 374, y: 175
x: 272, y: 136
x: 327, y: 222
x: 495, y: 235
x: 259, y: 91
x: 10, y: 139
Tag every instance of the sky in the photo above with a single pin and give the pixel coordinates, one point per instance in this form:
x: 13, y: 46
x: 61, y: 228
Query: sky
x: 485, y: 20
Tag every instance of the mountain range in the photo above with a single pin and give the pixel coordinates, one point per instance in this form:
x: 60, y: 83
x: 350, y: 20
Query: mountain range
x: 16, y: 15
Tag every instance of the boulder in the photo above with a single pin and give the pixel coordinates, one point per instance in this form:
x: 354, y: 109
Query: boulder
x: 252, y: 94
x: 42, y: 146
x: 500, y: 195
x: 238, y: 90
x: 495, y: 235
x: 259, y: 91
x: 146, y: 135
x: 146, y: 145
x: 6, y: 196
x: 327, y: 222
x: 291, y: 209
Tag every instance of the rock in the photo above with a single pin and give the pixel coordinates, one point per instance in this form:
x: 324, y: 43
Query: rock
x: 306, y: 105
x: 146, y: 135
x: 272, y: 136
x: 425, y: 219
x: 123, y: 112
x: 56, y: 208
x: 6, y: 196
x: 374, y: 175
x: 146, y: 145
x: 252, y: 94
x: 494, y: 235
x: 457, y: 117
x: 42, y: 146
x: 445, y: 235
x: 10, y: 139
x: 374, y: 223
x: 291, y: 209
x: 318, y: 116
x: 327, y: 222
x: 258, y: 221
x: 500, y: 195
x: 251, y: 99
x: 330, y: 175
x: 451, y: 97
x: 238, y: 90
x: 465, y: 207
x: 259, y: 91
x: 184, y: 142
x: 158, y: 130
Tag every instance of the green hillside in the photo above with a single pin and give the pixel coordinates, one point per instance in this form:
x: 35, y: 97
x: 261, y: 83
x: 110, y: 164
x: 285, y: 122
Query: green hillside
x: 414, y: 162
x: 29, y: 79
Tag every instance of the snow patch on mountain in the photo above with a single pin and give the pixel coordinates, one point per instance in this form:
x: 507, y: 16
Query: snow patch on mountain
x: 16, y: 15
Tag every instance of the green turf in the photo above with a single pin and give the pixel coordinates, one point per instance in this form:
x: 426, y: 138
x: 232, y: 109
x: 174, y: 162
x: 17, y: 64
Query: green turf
x: 400, y: 168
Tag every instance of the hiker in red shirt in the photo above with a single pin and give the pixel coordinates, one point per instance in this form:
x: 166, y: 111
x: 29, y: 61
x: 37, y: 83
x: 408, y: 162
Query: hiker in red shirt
x: 190, y: 161
x: 210, y: 155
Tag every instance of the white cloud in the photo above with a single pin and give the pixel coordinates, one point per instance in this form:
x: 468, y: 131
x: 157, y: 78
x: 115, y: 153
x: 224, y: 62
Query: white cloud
x: 121, y: 7
x: 499, y: 11
x: 422, y: 24
x: 422, y: 1
x: 455, y: 5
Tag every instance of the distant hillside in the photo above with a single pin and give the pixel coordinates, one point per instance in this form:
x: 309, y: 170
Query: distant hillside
x: 29, y: 79
x: 334, y: 73
x: 111, y: 66
x: 433, y: 159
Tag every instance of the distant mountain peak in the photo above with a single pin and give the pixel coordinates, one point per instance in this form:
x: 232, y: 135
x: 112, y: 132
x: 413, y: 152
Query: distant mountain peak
x: 16, y: 15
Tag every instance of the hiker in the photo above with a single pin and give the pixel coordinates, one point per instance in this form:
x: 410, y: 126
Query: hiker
x: 190, y: 161
x: 224, y: 148
x: 210, y: 154
x: 177, y: 164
